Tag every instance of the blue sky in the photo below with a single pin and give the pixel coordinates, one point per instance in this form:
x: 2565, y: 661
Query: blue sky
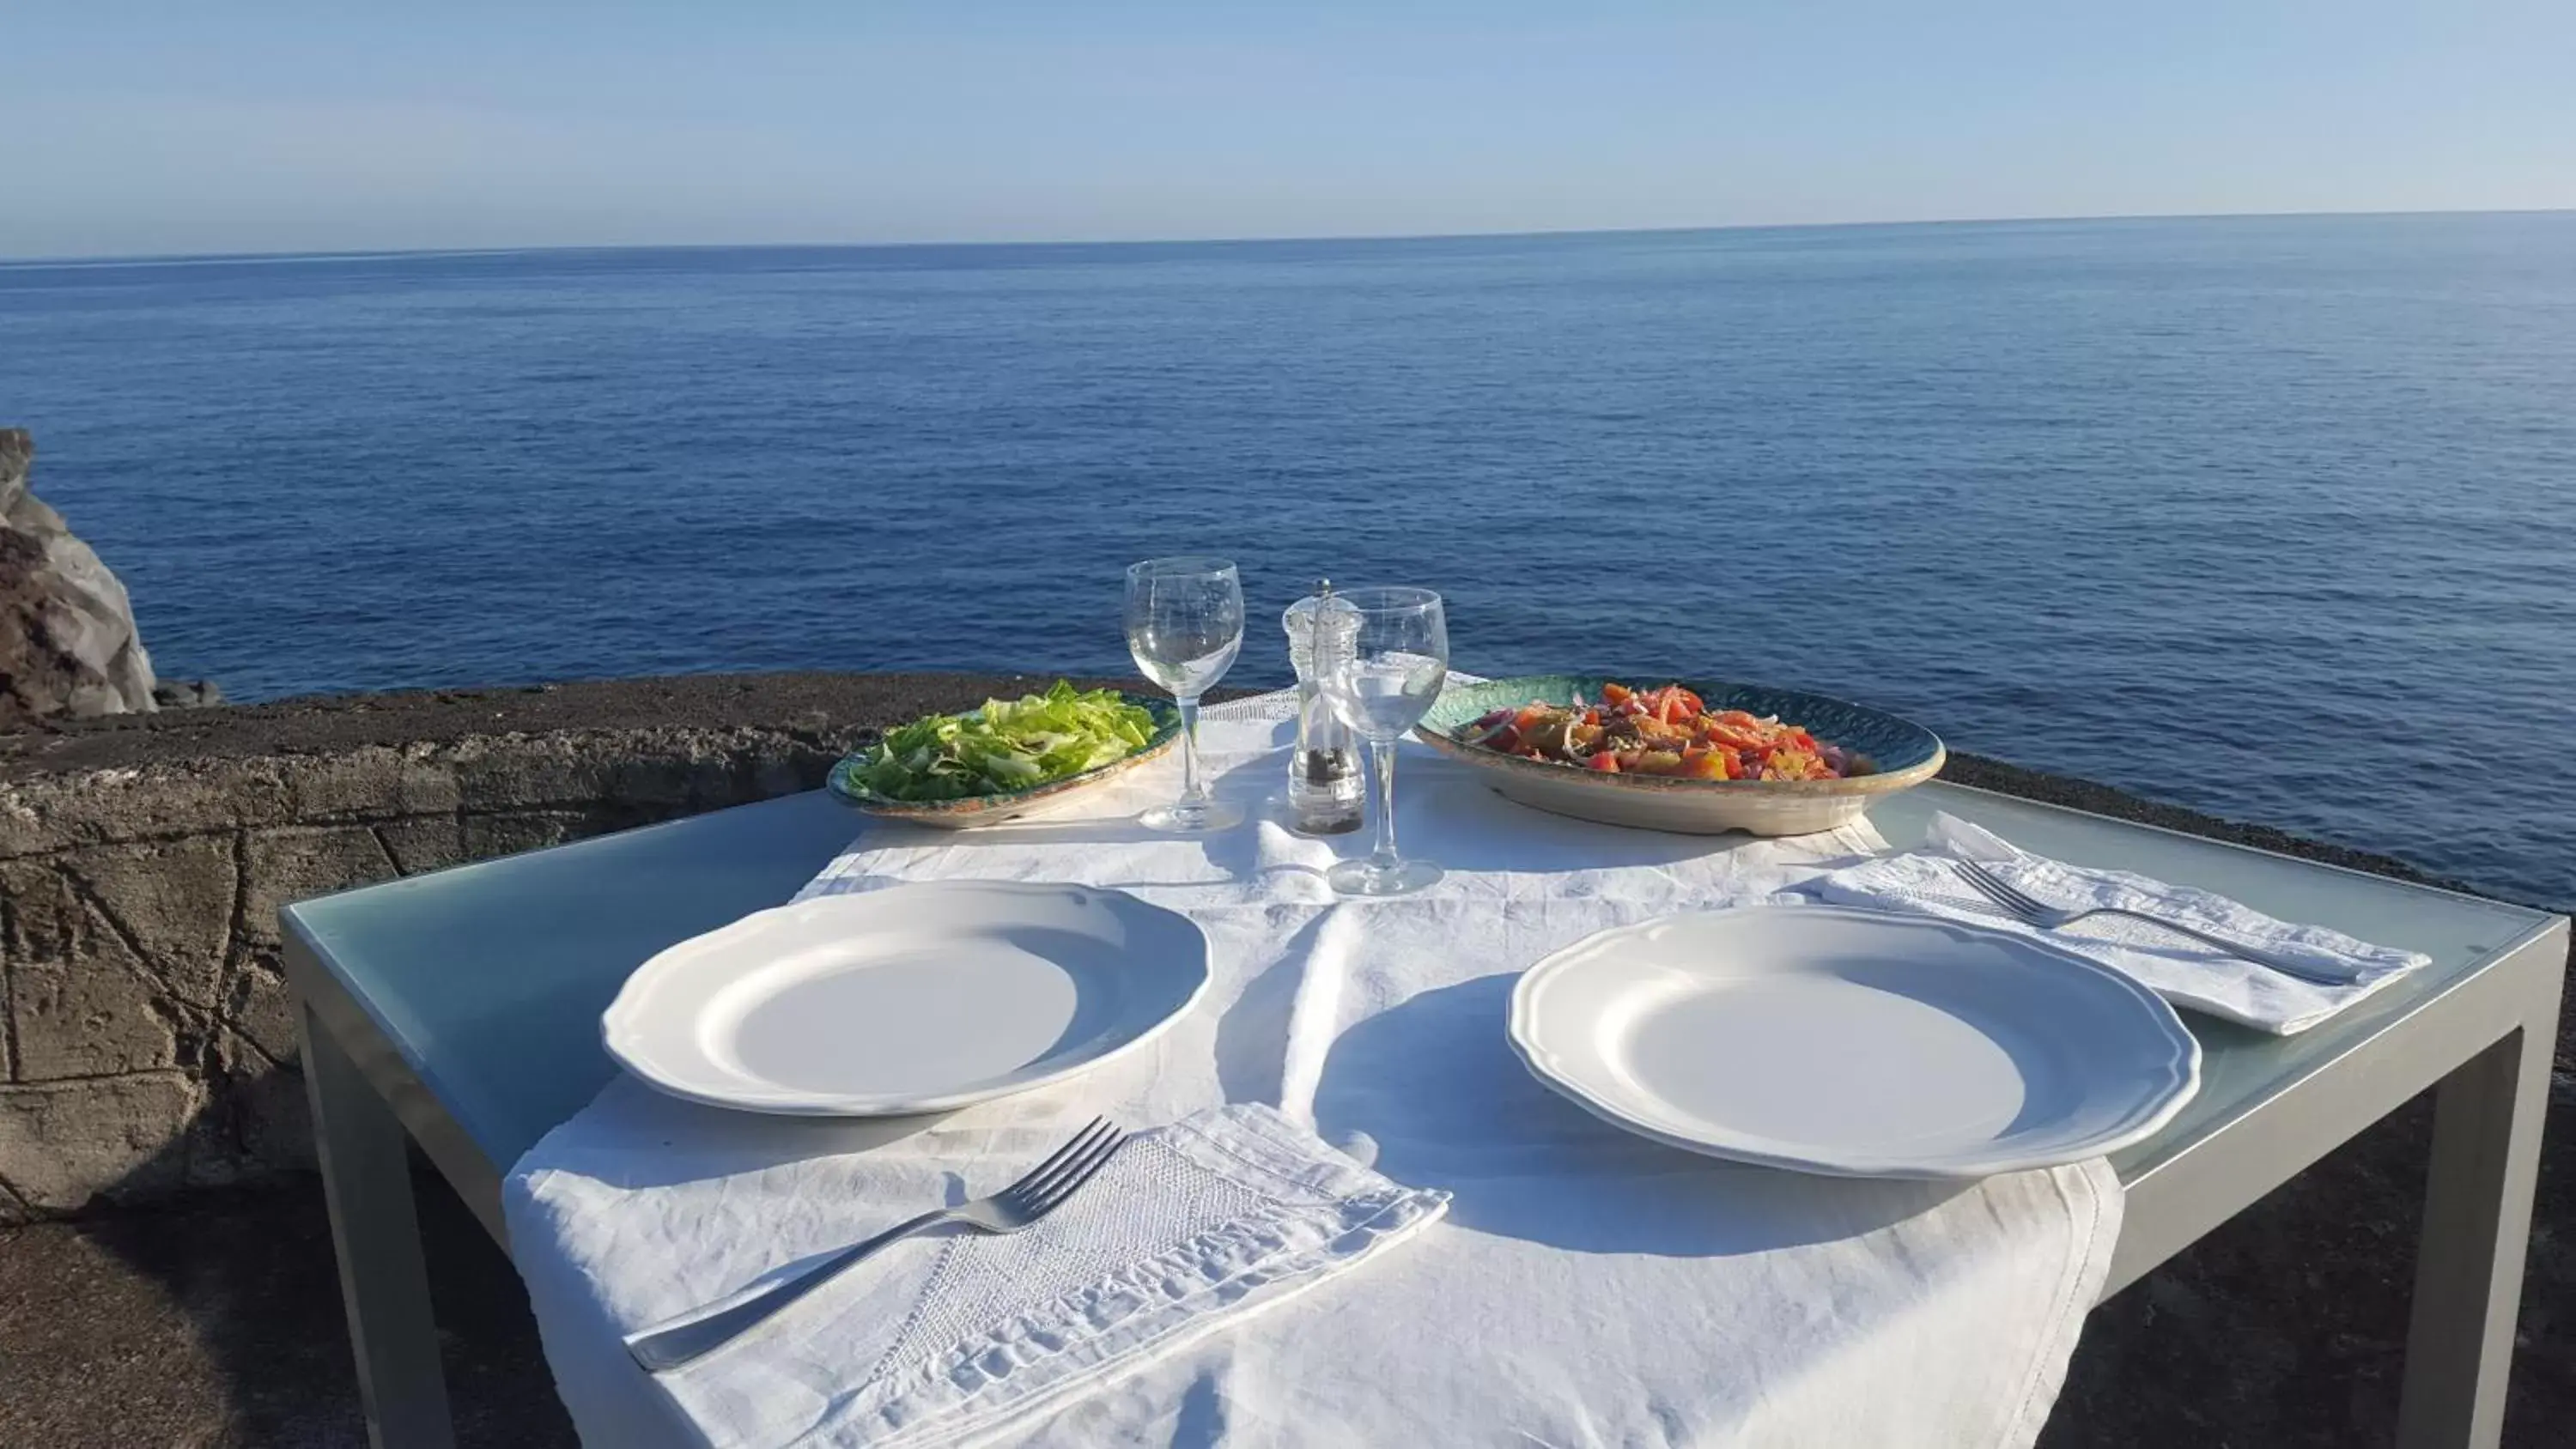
x: 131, y: 128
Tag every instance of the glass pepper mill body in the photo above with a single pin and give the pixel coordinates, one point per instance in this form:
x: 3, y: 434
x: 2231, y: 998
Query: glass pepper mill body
x: 1325, y: 785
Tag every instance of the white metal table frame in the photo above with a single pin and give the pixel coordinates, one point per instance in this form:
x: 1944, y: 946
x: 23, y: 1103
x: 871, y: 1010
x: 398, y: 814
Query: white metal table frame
x: 2483, y: 1037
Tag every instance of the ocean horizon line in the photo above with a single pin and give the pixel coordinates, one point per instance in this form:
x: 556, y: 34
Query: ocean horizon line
x: 76, y: 261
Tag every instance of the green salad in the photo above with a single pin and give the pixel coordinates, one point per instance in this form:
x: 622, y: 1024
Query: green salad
x: 1009, y: 744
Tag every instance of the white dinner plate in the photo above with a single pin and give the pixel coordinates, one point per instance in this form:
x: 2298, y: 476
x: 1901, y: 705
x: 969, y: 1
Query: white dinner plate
x: 915, y: 998
x: 1857, y: 1043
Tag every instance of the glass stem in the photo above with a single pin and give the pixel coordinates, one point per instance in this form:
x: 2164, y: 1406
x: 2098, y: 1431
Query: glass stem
x: 1382, y: 765
x: 1191, y: 794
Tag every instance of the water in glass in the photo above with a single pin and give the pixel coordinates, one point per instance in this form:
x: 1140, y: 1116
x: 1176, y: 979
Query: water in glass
x: 1380, y: 687
x: 1382, y: 698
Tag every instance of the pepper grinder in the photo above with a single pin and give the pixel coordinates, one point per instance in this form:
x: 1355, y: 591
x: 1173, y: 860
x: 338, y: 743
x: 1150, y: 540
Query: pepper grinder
x: 1325, y: 787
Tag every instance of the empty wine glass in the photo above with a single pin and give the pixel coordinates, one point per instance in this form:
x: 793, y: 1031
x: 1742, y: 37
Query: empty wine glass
x: 1185, y: 625
x: 1380, y: 688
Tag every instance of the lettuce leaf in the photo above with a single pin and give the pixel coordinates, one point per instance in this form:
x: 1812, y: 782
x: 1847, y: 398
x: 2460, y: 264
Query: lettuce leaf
x: 1009, y: 744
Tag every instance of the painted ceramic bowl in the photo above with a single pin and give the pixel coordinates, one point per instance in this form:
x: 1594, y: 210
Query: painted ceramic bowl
x: 1900, y: 755
x: 1008, y: 804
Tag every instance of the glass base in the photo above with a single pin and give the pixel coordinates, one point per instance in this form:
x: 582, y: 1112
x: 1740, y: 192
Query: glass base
x: 1368, y: 878
x: 1185, y: 817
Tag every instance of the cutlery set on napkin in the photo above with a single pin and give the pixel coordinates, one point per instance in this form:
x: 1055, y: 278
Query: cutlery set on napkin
x: 761, y: 1282
x: 942, y: 1336
x: 2274, y: 976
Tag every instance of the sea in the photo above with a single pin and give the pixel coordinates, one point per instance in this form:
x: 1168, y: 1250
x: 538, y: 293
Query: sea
x: 2262, y: 516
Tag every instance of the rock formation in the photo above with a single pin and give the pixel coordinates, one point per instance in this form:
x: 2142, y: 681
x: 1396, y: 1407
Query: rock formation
x: 186, y: 693
x: 67, y: 639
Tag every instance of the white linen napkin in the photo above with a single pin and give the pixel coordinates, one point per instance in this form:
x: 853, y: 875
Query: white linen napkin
x: 2176, y: 967
x: 939, y: 1339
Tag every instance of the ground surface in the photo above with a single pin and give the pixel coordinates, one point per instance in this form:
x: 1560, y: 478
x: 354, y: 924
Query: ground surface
x: 215, y: 1324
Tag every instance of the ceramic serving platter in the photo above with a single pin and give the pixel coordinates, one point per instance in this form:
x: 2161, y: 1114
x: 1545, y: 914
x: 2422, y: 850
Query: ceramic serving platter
x: 915, y: 998
x: 1009, y: 804
x: 1901, y: 754
x: 1854, y: 1043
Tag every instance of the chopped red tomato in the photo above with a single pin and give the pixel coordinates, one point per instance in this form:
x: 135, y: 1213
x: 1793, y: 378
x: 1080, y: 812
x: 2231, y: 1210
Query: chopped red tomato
x: 1668, y: 731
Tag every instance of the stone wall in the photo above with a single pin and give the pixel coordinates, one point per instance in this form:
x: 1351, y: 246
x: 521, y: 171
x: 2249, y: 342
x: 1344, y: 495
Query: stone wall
x: 147, y: 1040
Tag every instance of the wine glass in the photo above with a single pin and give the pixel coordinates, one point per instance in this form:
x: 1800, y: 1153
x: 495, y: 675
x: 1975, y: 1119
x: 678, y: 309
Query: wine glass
x: 1185, y: 625
x: 1380, y: 688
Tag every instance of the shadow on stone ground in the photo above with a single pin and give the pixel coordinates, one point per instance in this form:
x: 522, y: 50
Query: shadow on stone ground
x: 215, y: 1323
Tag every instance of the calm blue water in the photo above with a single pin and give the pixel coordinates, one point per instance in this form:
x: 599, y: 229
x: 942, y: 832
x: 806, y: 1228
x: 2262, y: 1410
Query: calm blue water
x: 2260, y: 516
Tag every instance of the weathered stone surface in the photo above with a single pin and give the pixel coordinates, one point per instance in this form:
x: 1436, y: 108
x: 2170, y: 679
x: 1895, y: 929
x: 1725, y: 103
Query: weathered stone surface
x: 269, y: 1124
x: 113, y: 806
x: 67, y: 639
x: 81, y: 1000
x: 764, y: 713
x: 90, y: 1016
x: 254, y: 1122
x: 187, y: 694
x: 772, y: 775
x: 43, y: 919
x: 673, y: 784
x: 291, y: 863
x: 261, y: 1007
x: 518, y: 774
x: 429, y: 842
x: 64, y: 1144
x: 489, y: 835
x: 157, y: 892
x: 370, y: 783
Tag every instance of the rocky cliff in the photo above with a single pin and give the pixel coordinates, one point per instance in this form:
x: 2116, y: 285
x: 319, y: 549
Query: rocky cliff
x: 67, y: 640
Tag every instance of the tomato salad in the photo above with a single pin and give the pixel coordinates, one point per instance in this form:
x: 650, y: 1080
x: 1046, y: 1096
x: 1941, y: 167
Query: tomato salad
x: 1666, y: 732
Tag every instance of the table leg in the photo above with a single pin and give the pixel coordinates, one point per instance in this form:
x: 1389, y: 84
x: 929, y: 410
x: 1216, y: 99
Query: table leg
x: 383, y: 1284
x: 2477, y: 1220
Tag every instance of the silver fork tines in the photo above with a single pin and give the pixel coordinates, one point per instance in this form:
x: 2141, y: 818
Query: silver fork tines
x: 1043, y: 1188
x: 2003, y: 893
x: 1038, y: 1192
x: 2029, y: 909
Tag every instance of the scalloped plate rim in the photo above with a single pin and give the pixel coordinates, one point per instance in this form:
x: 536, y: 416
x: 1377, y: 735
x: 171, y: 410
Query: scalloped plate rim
x: 2184, y: 1068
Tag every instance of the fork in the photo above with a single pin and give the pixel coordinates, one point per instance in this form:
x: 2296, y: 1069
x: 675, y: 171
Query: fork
x: 2031, y: 910
x: 1014, y: 1208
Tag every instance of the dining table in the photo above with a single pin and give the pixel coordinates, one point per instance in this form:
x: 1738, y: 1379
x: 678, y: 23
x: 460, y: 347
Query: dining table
x: 459, y: 1012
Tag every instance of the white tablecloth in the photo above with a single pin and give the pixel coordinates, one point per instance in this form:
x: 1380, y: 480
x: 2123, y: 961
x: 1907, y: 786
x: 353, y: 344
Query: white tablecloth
x: 1586, y: 1287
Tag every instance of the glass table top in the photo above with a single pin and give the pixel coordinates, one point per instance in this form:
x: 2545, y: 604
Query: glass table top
x: 490, y: 978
